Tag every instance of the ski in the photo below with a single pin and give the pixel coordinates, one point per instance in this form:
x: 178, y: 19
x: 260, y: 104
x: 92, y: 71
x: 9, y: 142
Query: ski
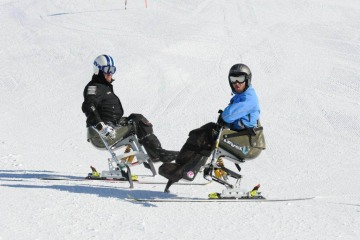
x: 172, y: 200
x: 139, y: 181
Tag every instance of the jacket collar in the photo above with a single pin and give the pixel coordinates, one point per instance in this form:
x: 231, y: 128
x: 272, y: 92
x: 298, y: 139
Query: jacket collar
x: 101, y: 79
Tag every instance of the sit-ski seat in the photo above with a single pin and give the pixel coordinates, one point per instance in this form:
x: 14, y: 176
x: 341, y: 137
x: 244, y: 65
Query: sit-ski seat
x: 245, y: 144
x: 121, y: 132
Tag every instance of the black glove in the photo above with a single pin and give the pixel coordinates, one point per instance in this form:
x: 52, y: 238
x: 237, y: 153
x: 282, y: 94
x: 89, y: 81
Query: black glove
x: 124, y: 121
x: 220, y: 121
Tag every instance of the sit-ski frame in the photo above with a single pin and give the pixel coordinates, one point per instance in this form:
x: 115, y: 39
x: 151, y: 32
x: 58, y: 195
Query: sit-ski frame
x: 231, y: 191
x: 117, y: 163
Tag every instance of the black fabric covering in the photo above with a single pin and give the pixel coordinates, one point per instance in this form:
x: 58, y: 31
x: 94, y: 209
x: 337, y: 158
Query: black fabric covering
x: 143, y: 126
x: 192, y: 155
x: 145, y: 133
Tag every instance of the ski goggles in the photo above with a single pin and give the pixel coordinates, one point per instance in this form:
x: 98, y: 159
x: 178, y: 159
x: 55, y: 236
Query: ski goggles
x: 108, y: 69
x: 105, y: 69
x: 239, y: 79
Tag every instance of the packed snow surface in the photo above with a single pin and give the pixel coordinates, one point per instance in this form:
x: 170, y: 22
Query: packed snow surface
x: 173, y: 58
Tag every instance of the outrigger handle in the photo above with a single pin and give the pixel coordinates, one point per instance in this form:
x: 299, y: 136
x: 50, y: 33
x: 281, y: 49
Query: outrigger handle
x: 220, y: 121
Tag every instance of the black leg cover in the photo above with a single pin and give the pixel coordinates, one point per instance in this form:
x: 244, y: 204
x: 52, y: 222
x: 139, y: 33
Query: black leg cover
x: 156, y: 152
x: 171, y: 171
x: 192, y: 156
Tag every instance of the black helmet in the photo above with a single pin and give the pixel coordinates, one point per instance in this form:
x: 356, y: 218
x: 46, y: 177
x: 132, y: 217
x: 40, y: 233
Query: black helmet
x: 238, y: 70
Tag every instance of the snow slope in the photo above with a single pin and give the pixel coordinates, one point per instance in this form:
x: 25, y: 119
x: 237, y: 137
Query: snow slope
x: 173, y: 59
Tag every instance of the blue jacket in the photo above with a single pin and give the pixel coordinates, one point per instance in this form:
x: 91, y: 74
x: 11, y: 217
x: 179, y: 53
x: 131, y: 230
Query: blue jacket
x: 243, y: 110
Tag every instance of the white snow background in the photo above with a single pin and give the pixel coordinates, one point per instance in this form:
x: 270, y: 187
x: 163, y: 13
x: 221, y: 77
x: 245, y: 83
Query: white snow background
x: 173, y: 58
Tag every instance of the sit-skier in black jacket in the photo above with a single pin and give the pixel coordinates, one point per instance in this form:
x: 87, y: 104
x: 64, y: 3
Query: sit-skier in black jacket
x: 101, y: 106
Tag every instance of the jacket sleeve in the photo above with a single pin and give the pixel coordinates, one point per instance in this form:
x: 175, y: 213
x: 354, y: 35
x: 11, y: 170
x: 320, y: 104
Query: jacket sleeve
x: 92, y: 100
x: 237, y: 110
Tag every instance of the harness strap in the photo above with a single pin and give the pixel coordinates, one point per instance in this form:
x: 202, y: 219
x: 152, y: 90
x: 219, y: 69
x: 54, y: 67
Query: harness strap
x: 242, y: 132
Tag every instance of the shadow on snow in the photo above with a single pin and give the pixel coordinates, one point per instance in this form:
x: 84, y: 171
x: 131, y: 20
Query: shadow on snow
x: 120, y: 192
x: 20, y: 175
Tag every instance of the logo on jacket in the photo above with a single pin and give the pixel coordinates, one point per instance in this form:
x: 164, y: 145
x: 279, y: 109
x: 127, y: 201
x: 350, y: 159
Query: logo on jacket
x: 243, y: 149
x: 91, y: 90
x: 108, y: 93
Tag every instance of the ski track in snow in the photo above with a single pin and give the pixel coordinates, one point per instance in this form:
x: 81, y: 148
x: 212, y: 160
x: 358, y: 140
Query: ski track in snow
x: 172, y: 64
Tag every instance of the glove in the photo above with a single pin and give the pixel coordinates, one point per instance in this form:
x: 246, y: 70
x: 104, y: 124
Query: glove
x: 105, y: 130
x: 123, y: 121
x: 108, y: 131
x: 221, y: 122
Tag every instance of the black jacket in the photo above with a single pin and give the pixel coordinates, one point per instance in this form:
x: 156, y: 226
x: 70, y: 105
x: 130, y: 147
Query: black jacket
x: 100, y: 102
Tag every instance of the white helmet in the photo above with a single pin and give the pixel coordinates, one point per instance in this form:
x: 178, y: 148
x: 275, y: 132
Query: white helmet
x: 104, y: 63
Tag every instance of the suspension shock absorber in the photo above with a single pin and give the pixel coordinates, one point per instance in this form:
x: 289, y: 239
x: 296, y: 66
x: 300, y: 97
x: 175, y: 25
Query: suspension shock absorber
x: 218, y: 172
x: 127, y: 150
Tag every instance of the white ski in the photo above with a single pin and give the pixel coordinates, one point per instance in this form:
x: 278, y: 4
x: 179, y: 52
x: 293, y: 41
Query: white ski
x: 140, y: 181
x: 132, y: 199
